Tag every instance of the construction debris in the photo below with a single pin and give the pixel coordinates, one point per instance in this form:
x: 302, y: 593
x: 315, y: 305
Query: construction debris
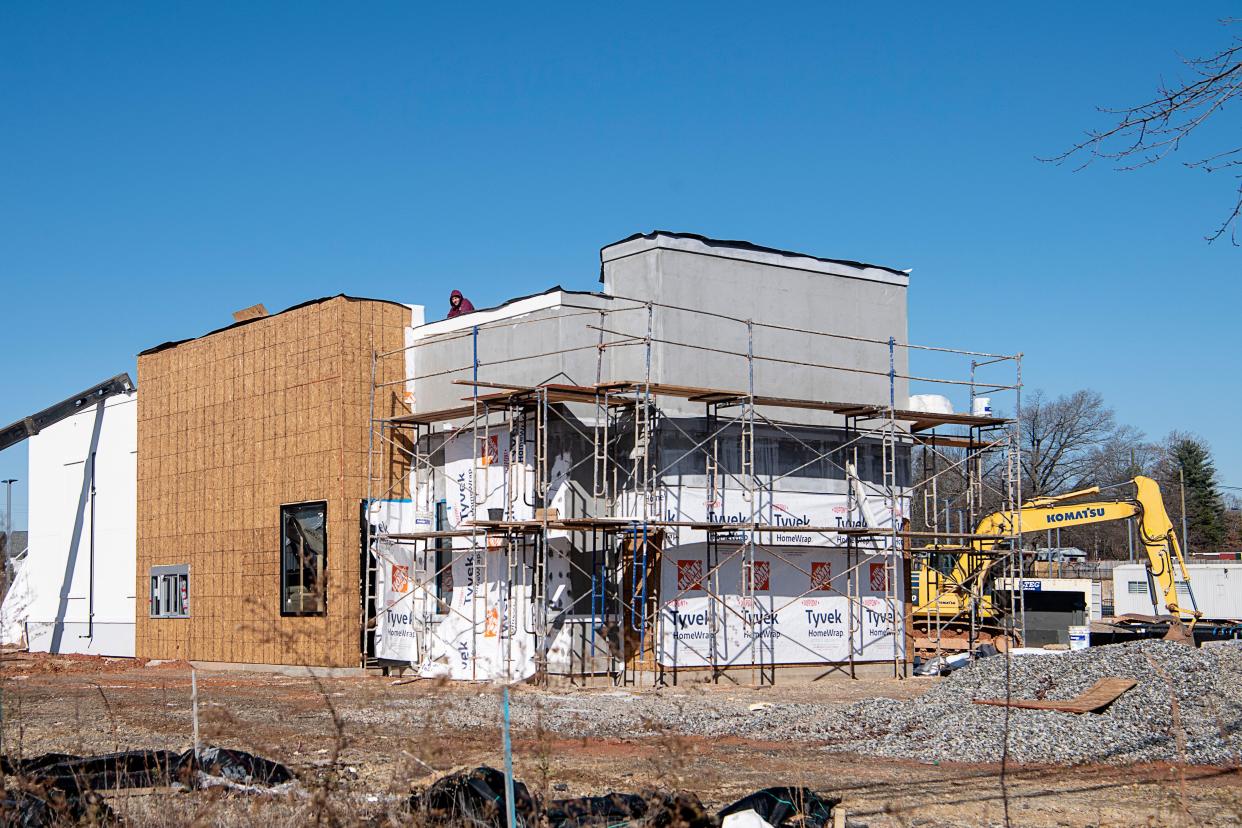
x: 214, y: 767
x: 1094, y: 700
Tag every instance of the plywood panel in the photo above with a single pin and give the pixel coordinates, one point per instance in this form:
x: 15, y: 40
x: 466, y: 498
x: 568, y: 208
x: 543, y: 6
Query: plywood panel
x: 231, y: 426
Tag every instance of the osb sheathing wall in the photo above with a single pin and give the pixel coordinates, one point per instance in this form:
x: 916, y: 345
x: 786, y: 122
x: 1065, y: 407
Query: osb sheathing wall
x: 231, y: 426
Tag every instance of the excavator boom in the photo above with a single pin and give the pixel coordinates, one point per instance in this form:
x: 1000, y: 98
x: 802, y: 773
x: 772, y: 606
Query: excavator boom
x: 949, y: 592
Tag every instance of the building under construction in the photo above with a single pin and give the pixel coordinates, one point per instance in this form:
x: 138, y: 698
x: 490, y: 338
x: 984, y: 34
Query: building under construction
x: 711, y: 467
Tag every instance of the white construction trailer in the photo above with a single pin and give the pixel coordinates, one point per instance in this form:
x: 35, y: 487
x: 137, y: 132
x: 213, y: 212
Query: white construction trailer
x: 1217, y: 591
x: 73, y: 590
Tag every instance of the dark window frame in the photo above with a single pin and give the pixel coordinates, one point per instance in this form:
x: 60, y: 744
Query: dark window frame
x: 323, y: 569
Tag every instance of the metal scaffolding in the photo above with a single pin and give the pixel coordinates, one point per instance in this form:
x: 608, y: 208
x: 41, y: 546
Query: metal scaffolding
x: 614, y: 546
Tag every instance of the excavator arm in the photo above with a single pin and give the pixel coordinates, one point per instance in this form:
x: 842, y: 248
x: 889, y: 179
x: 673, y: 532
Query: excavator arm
x: 1163, y: 551
x: 1155, y: 530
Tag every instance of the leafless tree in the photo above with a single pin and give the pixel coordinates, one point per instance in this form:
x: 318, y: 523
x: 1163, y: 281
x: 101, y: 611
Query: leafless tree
x: 1065, y: 441
x: 1147, y: 132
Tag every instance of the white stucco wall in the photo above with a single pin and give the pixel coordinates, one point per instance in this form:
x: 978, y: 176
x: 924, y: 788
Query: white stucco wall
x: 66, y: 515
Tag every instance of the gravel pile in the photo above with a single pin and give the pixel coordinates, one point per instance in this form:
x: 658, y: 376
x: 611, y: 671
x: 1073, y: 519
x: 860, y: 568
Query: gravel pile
x: 943, y: 724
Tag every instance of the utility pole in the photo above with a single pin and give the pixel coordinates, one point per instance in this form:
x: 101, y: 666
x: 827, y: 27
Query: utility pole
x: 1181, y: 479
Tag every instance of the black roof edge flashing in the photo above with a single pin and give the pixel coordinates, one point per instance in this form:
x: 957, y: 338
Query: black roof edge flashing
x: 736, y: 244
x: 164, y: 346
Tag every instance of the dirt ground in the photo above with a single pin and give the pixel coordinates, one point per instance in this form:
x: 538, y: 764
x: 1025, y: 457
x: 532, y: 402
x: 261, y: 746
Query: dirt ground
x: 352, y: 768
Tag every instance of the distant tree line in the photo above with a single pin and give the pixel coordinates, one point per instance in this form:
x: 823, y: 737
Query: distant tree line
x: 1074, y: 441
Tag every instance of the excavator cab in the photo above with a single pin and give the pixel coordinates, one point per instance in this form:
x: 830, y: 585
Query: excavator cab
x: 943, y: 561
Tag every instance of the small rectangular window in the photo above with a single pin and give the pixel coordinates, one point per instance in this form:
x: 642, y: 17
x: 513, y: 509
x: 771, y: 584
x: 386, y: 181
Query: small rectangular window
x: 170, y: 591
x: 303, y: 558
x: 1136, y: 587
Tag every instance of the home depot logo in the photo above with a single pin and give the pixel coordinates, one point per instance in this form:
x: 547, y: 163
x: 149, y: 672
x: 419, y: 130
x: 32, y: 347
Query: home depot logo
x: 879, y: 577
x: 489, y: 450
x: 759, y: 574
x: 400, y: 578
x: 689, y: 575
x: 821, y: 575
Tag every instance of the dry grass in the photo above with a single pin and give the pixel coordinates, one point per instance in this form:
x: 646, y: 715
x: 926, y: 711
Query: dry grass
x: 357, y: 769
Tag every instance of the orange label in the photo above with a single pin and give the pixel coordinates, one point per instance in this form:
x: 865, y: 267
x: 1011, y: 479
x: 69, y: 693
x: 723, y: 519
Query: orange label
x: 400, y: 578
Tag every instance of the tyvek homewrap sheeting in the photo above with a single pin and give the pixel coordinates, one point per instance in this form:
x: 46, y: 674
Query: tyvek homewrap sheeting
x: 488, y: 632
x: 493, y: 473
x: 16, y: 607
x: 691, y: 504
x: 798, y: 611
x: 488, y: 472
x: 401, y: 574
x: 811, y: 601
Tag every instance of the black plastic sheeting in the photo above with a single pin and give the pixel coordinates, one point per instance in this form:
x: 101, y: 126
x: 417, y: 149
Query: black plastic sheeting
x: 22, y: 808
x: 236, y: 767
x: 146, y: 769
x: 474, y: 797
x: 76, y: 774
x: 477, y: 798
x: 619, y: 809
x: 612, y: 809
x: 59, y: 788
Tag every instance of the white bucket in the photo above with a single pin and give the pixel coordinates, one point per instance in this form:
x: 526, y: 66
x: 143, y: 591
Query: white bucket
x: 981, y: 407
x: 1080, y: 637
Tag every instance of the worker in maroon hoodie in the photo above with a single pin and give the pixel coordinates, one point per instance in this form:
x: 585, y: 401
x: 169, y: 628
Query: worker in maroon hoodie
x: 459, y: 304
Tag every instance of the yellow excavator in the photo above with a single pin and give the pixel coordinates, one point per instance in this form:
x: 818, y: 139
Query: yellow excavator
x: 956, y: 577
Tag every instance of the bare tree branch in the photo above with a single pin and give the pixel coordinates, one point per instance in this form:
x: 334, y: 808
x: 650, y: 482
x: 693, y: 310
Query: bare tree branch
x: 1065, y: 439
x: 1148, y: 132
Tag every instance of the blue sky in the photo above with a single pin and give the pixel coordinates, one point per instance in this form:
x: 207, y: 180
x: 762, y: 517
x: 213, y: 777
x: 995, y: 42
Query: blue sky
x: 162, y: 165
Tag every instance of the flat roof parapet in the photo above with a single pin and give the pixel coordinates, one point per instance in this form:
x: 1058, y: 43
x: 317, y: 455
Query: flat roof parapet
x: 747, y: 251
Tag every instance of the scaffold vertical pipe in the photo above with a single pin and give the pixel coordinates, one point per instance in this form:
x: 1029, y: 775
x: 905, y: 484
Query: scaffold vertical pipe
x: 367, y: 596
x: 756, y: 505
x: 650, y: 483
x: 1017, y: 448
x: 894, y: 503
x: 474, y: 511
x: 539, y: 577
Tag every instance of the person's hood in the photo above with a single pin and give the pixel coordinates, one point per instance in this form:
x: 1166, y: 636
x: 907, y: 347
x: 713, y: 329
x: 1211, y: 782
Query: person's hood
x: 455, y: 295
